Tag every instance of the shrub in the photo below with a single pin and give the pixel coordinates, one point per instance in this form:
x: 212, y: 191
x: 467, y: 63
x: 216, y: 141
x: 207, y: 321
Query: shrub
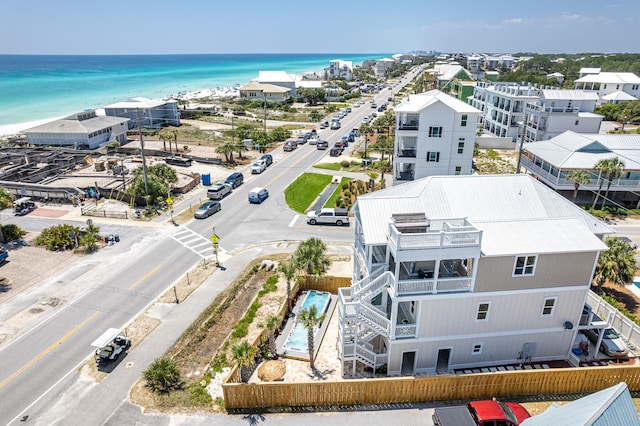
x: 12, y: 232
x: 163, y: 375
x: 345, y: 164
x: 58, y: 237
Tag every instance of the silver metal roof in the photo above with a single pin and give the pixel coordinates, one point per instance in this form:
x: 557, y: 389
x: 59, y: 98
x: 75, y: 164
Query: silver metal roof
x: 571, y: 95
x: 483, y: 199
x: 66, y: 126
x: 571, y: 150
x: 416, y: 103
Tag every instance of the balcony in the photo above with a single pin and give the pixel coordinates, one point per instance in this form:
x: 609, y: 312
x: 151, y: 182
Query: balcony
x: 405, y: 152
x: 408, y: 122
x: 434, y: 234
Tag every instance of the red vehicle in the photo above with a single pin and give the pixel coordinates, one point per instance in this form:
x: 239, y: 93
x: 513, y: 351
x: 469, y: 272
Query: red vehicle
x: 481, y: 413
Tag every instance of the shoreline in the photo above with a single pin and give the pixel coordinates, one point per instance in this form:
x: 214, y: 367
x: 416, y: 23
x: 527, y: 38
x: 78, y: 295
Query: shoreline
x: 14, y: 129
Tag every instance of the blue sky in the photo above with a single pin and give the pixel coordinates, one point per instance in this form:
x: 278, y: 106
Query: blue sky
x: 328, y: 26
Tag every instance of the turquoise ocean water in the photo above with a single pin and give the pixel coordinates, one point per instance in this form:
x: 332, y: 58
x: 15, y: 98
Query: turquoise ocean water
x: 35, y: 87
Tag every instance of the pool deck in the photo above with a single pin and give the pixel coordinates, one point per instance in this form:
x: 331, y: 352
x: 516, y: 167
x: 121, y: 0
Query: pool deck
x: 282, y: 338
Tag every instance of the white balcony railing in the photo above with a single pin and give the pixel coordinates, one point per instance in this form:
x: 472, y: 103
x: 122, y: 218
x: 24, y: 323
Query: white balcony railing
x: 449, y: 237
x: 405, y: 331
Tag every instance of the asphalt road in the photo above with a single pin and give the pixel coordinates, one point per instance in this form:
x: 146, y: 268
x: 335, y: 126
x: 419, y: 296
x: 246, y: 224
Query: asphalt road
x: 38, y: 370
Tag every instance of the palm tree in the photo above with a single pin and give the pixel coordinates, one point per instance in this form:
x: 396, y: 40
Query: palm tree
x: 310, y: 256
x: 271, y: 323
x: 366, y: 130
x: 165, y: 136
x: 578, y: 177
x: 615, y: 167
x: 227, y: 149
x: 310, y: 319
x: 244, y: 354
x: 289, y: 270
x: 602, y: 167
x: 175, y: 137
x: 617, y: 264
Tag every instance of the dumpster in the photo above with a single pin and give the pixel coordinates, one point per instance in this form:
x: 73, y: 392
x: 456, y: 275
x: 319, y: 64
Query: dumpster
x: 206, y: 179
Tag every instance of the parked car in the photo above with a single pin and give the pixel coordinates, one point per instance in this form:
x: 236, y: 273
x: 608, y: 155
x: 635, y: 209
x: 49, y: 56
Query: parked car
x: 324, y: 124
x: 335, y: 125
x: 374, y: 114
x: 347, y: 110
x: 339, y: 144
x: 207, y: 209
x: 258, y: 195
x: 481, y: 413
x: 612, y: 343
x: 290, y: 145
x: 219, y: 191
x: 335, y: 152
x: 337, y: 217
x: 374, y: 105
x: 258, y: 167
x: 322, y: 145
x: 235, y: 179
x: 268, y: 159
x: 381, y: 108
x: 301, y: 140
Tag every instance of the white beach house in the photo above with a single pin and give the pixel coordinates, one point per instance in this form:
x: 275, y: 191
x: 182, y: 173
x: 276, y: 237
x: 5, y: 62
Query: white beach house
x: 278, y: 78
x: 84, y: 130
x: 559, y: 110
x: 611, y: 87
x: 552, y: 160
x: 455, y: 272
x: 145, y: 112
x: 340, y: 70
x: 435, y: 133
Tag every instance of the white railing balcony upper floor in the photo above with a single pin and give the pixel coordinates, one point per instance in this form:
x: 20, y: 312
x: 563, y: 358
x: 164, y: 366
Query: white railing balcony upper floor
x: 433, y: 234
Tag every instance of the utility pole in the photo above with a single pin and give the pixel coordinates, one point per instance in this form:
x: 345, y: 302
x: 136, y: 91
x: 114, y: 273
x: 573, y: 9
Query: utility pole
x: 524, y: 131
x: 144, y: 161
x: 265, y: 112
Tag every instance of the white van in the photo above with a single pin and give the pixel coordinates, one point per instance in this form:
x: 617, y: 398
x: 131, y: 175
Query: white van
x: 257, y: 195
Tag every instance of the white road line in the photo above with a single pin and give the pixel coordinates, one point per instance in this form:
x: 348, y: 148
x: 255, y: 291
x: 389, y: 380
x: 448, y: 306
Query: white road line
x: 293, y: 221
x: 195, y: 242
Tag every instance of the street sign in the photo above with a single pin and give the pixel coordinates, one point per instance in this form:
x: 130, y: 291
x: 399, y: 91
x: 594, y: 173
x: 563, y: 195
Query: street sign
x: 169, y: 200
x: 215, y: 246
x: 215, y: 238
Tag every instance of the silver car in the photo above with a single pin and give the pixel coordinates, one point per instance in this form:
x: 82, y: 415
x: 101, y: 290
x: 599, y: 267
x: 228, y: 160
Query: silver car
x: 207, y: 209
x: 612, y: 343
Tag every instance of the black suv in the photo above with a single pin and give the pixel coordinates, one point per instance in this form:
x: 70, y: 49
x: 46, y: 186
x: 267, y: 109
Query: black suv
x: 235, y: 179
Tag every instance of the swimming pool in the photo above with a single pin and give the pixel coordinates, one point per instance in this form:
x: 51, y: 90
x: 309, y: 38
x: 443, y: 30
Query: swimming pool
x: 636, y: 281
x: 297, y: 338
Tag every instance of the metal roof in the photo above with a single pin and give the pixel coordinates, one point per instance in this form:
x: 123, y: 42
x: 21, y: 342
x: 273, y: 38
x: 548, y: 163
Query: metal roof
x: 271, y: 76
x: 619, y: 96
x: 66, y: 125
x: 570, y: 150
x: 610, y: 77
x: 499, y: 199
x: 611, y: 406
x: 416, y: 103
x: 141, y: 102
x: 571, y: 95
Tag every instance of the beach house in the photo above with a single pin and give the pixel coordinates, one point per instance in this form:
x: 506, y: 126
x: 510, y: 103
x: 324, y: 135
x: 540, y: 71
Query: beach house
x: 278, y: 78
x: 263, y: 91
x: 456, y: 272
x: 435, y: 133
x: 84, y: 130
x: 611, y: 87
x: 145, y: 112
x: 339, y: 70
x: 553, y: 160
x: 559, y: 110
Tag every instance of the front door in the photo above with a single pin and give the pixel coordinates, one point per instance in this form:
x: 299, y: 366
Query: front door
x: 442, y: 365
x: 408, y: 360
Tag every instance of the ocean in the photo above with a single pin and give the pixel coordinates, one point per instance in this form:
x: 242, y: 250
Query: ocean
x: 37, y: 87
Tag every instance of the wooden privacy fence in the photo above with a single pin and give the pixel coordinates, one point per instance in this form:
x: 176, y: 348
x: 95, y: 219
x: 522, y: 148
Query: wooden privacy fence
x: 325, y: 283
x: 244, y: 397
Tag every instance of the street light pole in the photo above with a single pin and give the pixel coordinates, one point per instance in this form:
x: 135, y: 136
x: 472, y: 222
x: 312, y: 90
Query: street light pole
x: 144, y: 162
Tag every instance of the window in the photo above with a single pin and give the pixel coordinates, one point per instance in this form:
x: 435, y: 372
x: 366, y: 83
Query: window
x: 463, y: 120
x: 549, y: 304
x: 483, y: 311
x: 477, y: 349
x: 577, y: 122
x: 433, y: 156
x: 435, y: 132
x: 525, y: 265
x: 458, y: 170
x: 460, y: 147
x: 635, y: 87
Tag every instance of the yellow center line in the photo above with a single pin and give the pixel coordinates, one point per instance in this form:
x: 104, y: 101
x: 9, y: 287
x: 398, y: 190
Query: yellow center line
x: 49, y: 349
x: 137, y: 283
x: 287, y: 169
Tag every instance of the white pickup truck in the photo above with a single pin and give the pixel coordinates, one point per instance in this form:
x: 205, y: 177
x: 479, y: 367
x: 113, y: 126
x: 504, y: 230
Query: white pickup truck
x: 328, y: 216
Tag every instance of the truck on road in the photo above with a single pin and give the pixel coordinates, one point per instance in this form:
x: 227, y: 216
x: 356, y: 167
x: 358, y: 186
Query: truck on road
x: 328, y: 216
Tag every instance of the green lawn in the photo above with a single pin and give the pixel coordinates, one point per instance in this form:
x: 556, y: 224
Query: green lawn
x: 331, y: 202
x: 304, y: 190
x: 354, y: 166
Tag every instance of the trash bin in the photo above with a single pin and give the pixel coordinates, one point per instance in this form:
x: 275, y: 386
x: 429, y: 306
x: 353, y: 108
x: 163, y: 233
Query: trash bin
x: 206, y: 179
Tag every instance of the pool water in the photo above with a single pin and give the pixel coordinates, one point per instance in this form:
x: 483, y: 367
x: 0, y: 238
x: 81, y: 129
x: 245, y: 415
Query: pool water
x: 636, y: 282
x: 297, y: 339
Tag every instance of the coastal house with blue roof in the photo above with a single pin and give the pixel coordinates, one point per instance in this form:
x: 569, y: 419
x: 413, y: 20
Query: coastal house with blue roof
x: 551, y: 162
x: 83, y: 130
x: 146, y: 113
x: 460, y: 272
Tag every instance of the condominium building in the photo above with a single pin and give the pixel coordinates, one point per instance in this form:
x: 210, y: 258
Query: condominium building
x: 559, y: 110
x: 502, y: 106
x: 340, y: 70
x: 435, y: 134
x: 455, y: 272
